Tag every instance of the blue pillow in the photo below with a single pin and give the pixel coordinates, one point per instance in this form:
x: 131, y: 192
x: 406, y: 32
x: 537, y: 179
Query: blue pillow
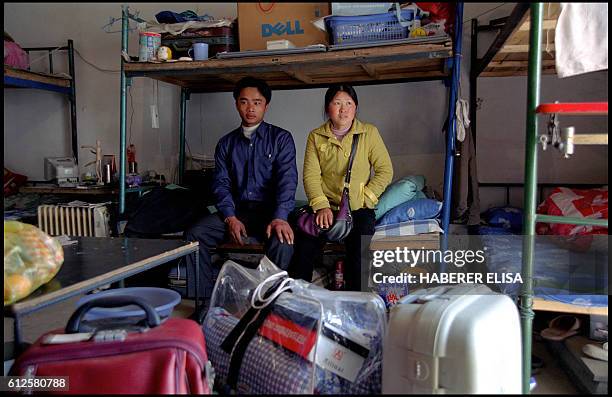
x: 399, y: 192
x: 507, y: 217
x: 412, y: 210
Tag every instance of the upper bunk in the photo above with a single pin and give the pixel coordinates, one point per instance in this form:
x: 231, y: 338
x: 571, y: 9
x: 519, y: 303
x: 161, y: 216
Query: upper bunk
x: 19, y: 78
x: 508, y: 55
x: 393, y: 62
x: 62, y: 83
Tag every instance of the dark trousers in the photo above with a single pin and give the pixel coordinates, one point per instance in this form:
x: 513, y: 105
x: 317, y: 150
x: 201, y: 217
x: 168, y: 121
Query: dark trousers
x: 357, y: 245
x: 210, y: 231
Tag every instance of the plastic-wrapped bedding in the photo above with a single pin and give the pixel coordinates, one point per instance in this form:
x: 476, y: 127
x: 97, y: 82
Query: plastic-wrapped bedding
x: 309, y: 340
x: 560, y: 274
x: 292, y: 376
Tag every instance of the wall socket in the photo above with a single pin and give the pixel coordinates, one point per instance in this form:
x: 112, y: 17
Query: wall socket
x: 154, y: 117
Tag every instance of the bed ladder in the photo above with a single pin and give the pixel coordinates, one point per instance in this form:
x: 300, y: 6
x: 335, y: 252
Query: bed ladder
x: 563, y: 141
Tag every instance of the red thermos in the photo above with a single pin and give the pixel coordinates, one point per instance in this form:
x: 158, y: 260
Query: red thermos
x: 339, y: 275
x: 131, y: 153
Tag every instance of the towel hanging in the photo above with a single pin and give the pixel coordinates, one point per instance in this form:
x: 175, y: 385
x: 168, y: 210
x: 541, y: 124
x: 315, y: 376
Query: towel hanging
x: 462, y: 112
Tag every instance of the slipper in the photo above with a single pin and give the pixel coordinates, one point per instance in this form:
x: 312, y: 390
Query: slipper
x: 561, y: 327
x: 596, y: 351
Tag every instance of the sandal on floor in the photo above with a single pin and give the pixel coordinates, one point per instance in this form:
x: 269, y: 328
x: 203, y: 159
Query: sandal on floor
x: 561, y: 327
x: 599, y: 352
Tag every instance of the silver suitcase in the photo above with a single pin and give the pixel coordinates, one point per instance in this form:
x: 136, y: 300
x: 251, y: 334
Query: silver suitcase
x: 455, y: 339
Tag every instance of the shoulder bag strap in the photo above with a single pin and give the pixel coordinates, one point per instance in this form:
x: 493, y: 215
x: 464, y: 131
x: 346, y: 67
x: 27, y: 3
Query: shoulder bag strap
x: 232, y: 338
x: 347, y: 179
x: 249, y: 332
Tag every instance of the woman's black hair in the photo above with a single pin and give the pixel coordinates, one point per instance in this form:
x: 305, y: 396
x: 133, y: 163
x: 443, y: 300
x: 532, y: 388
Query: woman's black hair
x: 249, y: 81
x: 334, y: 89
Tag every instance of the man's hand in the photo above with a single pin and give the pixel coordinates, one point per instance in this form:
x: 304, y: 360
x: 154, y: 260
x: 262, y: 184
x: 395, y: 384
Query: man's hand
x: 324, y: 218
x: 236, y: 229
x: 282, y: 229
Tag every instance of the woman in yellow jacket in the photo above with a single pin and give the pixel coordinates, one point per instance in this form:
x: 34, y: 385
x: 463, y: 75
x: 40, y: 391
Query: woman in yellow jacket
x: 327, y: 154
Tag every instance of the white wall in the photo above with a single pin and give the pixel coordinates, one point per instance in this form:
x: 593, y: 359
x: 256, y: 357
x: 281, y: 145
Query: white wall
x: 500, y: 139
x: 409, y: 115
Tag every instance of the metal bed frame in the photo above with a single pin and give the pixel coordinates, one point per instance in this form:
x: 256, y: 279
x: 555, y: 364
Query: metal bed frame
x: 172, y: 73
x: 15, y: 78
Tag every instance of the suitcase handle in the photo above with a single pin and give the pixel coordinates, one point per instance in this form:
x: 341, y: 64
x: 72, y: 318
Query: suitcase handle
x: 74, y: 323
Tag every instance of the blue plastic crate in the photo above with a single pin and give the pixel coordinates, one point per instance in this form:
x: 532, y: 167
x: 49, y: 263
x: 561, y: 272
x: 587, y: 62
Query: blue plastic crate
x: 365, y: 28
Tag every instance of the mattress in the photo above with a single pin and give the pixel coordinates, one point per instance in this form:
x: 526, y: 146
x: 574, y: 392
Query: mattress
x: 560, y: 274
x: 408, y: 228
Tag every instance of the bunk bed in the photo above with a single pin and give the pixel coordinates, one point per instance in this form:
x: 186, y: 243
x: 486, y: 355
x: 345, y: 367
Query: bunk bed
x: 521, y: 49
x: 508, y: 55
x: 395, y: 62
x: 19, y: 78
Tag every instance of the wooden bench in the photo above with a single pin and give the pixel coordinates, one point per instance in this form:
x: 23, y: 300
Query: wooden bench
x: 259, y: 248
x: 419, y: 241
x: 430, y: 241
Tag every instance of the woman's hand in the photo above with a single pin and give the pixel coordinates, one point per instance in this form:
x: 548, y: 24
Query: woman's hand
x: 324, y: 218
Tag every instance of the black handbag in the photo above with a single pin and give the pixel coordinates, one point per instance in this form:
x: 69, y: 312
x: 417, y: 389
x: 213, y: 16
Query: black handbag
x: 343, y: 219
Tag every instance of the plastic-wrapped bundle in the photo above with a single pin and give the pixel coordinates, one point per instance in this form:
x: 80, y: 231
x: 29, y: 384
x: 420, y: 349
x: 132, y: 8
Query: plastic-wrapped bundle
x: 269, y: 334
x: 31, y: 259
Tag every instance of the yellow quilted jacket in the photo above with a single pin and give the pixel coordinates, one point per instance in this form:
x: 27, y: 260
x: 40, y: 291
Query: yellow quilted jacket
x: 326, y: 160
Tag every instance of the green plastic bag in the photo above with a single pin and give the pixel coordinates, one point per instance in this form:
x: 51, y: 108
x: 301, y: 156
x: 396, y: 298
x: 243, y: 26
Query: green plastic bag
x: 31, y: 258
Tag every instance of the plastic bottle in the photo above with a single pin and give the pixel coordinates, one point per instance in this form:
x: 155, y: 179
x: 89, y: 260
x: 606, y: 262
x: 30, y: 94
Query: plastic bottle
x: 131, y: 158
x: 131, y: 153
x: 339, y: 275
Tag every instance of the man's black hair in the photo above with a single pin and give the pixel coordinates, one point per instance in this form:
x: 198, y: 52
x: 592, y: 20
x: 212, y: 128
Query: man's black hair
x: 249, y: 81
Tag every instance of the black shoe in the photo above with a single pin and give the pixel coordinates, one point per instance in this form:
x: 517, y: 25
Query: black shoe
x: 473, y: 229
x: 536, y: 364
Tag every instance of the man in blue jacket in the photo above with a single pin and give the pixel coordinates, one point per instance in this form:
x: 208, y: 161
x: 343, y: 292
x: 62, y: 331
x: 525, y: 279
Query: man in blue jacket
x: 254, y: 187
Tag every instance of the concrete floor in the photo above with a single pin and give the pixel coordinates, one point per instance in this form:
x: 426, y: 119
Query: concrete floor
x: 550, y: 380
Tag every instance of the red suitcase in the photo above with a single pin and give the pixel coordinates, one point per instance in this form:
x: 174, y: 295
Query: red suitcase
x: 167, y: 358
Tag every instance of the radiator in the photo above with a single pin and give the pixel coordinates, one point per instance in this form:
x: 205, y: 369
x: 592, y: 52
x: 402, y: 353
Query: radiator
x: 83, y: 220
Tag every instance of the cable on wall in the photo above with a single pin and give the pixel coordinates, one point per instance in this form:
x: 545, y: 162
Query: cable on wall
x: 131, y: 113
x: 94, y: 65
x: 201, y: 127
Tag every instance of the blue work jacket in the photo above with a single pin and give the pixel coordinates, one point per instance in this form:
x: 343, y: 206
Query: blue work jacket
x: 261, y: 169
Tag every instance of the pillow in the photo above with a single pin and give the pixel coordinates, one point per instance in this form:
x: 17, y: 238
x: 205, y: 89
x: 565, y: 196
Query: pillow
x: 15, y: 56
x: 423, y: 208
x: 507, y: 217
x: 399, y: 192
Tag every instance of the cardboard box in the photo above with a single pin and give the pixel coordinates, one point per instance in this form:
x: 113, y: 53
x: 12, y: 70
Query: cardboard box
x: 259, y: 23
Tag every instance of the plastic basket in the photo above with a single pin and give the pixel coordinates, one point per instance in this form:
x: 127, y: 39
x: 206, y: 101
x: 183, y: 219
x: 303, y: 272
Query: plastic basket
x: 162, y: 299
x: 365, y: 28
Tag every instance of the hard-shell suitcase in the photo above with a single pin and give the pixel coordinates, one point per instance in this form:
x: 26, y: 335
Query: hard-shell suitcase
x: 454, y: 339
x: 166, y: 357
